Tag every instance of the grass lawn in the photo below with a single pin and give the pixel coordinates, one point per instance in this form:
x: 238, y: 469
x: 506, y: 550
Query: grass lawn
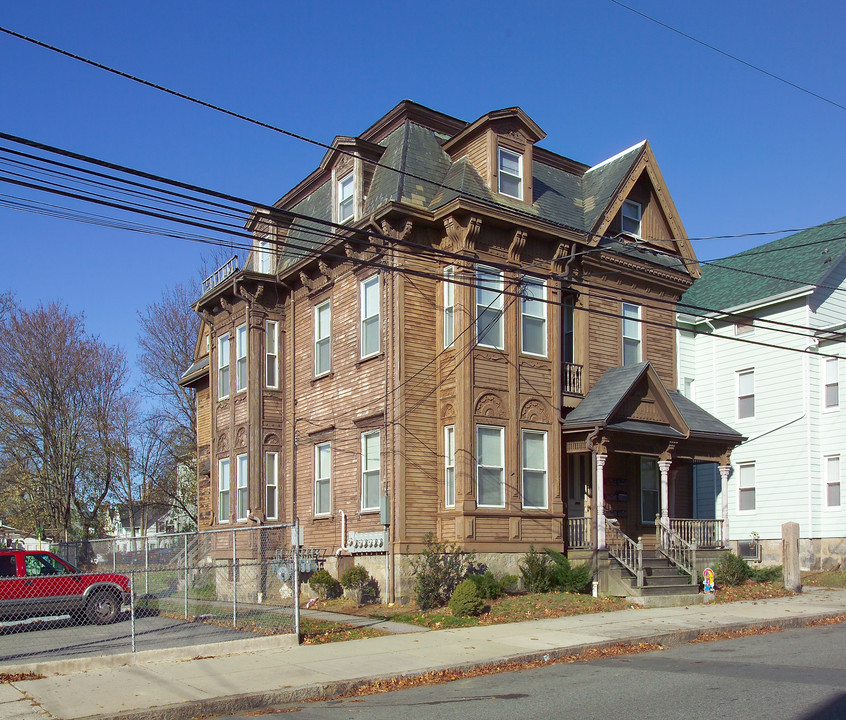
x: 821, y: 578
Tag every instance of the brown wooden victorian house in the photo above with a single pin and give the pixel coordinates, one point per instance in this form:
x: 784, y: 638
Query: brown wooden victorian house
x: 448, y: 329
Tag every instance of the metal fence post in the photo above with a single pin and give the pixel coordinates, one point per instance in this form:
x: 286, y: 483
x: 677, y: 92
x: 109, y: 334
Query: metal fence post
x: 114, y: 555
x: 132, y: 607
x: 146, y: 566
x: 234, y: 583
x: 297, y: 578
x: 185, y: 573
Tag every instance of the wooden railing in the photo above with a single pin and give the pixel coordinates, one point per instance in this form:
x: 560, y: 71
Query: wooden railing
x: 578, y: 533
x: 676, y: 549
x: 571, y: 379
x: 219, y: 275
x: 625, y: 550
x: 702, y: 533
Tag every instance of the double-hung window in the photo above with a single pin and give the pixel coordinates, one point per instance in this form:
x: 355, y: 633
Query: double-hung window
x: 490, y: 466
x: 271, y: 485
x: 223, y: 367
x: 346, y: 198
x: 322, y: 339
x: 832, y: 384
x: 631, y: 334
x: 241, y: 358
x: 371, y: 459
x: 533, y: 317
x: 223, y: 490
x: 489, y: 308
x: 745, y: 394
x: 832, y: 481
x: 242, y: 500
x: 449, y: 466
x: 534, y: 469
x: 510, y: 173
x: 323, y: 479
x: 369, y: 316
x: 264, y: 256
x: 631, y: 218
x: 449, y: 306
x: 746, y: 487
x: 271, y: 354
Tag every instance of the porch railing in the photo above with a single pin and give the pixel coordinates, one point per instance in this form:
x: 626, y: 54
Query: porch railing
x: 219, y: 275
x: 676, y: 549
x: 578, y: 533
x: 625, y: 550
x: 571, y: 379
x: 703, y: 533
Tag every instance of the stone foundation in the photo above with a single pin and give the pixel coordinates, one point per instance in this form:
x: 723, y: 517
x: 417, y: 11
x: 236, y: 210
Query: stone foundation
x: 814, y: 554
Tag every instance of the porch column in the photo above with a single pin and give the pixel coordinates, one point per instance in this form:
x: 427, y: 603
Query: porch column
x: 664, y: 467
x: 600, y: 501
x: 724, y: 501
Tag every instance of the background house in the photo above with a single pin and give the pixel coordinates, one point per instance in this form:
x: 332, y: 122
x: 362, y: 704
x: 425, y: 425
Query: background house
x: 415, y: 324
x: 785, y: 302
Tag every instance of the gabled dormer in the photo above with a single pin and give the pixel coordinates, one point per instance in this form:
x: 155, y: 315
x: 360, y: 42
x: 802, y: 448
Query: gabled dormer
x: 500, y: 145
x: 350, y: 167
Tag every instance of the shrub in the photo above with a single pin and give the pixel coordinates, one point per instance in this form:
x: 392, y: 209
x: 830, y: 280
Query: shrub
x: 767, y: 574
x: 465, y: 600
x: 567, y: 578
x: 354, y: 580
x: 732, y: 570
x: 487, y: 586
x: 324, y: 585
x: 437, y: 572
x: 536, y: 572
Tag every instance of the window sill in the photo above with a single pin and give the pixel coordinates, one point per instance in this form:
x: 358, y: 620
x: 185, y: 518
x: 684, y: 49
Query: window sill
x: 375, y: 356
x: 317, y: 379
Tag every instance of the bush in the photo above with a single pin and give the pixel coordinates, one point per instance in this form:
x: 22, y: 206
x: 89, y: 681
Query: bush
x: 567, y: 578
x: 324, y: 585
x: 732, y: 570
x: 488, y: 587
x: 437, y: 572
x: 465, y: 601
x: 767, y: 574
x: 355, y: 578
x: 536, y: 572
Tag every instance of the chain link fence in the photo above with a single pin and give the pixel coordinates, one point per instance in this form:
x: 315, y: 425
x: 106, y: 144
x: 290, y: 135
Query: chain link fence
x: 130, y: 594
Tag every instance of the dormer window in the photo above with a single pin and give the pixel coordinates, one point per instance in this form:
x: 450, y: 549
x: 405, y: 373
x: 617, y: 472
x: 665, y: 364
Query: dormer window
x: 631, y: 218
x: 510, y: 173
x: 264, y: 254
x: 346, y: 198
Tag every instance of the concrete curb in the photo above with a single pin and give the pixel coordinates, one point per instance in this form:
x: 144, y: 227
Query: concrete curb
x: 324, y: 691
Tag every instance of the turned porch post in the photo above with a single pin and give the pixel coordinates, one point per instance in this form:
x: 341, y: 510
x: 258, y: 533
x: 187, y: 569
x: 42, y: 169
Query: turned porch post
x: 724, y: 501
x: 600, y: 501
x: 664, y: 467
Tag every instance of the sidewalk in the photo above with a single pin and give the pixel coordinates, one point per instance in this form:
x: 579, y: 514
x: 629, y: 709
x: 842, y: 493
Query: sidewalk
x: 250, y: 680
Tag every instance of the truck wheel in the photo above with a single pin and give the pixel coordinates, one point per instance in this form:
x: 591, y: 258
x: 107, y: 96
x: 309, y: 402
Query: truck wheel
x: 103, y: 607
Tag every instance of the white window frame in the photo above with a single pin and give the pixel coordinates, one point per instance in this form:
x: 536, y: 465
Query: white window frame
x: 223, y: 367
x: 264, y: 255
x: 271, y: 354
x: 370, y: 317
x: 322, y: 479
x: 632, y: 335
x: 527, y: 303
x: 482, y: 465
x: 241, y: 344
x: 271, y: 485
x: 224, y: 505
x: 689, y: 389
x: 242, y: 480
x: 346, y: 198
x: 744, y: 326
x: 831, y: 379
x: 633, y: 212
x: 490, y: 280
x: 449, y: 306
x: 369, y: 472
x: 829, y: 482
x: 749, y: 467
x: 322, y: 338
x: 502, y: 152
x: 541, y: 473
x: 449, y: 466
x: 748, y: 372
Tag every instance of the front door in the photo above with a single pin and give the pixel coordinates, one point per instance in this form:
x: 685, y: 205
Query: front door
x: 650, y: 490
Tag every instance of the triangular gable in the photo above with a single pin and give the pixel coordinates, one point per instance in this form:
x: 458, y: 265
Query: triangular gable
x: 647, y: 401
x: 645, y: 167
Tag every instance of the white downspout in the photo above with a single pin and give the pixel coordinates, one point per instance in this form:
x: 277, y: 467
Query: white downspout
x: 806, y: 392
x: 343, y: 545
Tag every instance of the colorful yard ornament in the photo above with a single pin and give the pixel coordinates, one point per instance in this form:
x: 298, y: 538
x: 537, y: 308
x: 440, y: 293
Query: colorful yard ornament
x: 708, y: 577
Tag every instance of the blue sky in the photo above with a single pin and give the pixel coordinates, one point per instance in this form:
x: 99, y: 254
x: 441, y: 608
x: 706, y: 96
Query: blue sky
x: 740, y: 152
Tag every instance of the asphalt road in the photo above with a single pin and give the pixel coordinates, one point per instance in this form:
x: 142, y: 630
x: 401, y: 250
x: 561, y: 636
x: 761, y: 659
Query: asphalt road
x: 56, y: 639
x: 796, y: 675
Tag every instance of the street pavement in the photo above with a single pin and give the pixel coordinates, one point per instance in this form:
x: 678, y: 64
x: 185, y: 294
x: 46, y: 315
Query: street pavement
x: 159, y: 688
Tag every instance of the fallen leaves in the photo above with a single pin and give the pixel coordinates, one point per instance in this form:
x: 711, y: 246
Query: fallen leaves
x: 6, y: 678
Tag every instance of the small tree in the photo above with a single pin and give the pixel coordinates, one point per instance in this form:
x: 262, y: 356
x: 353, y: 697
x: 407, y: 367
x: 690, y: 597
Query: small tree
x: 465, y: 601
x: 537, y: 575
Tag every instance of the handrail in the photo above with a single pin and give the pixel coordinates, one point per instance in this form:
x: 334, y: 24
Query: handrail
x: 219, y: 275
x: 578, y: 532
x: 676, y: 549
x: 705, y: 533
x: 625, y: 550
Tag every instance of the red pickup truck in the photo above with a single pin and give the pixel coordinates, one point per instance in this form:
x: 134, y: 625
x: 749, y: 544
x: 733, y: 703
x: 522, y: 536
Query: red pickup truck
x: 41, y: 584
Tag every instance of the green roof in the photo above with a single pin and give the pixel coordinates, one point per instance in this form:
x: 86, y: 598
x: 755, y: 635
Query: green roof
x: 769, y: 271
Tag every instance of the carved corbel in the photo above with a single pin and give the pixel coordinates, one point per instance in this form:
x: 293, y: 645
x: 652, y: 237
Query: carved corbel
x: 400, y: 234
x: 518, y: 242
x: 596, y: 442
x: 224, y: 303
x: 324, y: 268
x: 563, y: 259
x: 207, y: 317
x: 668, y: 452
x: 251, y: 298
x: 461, y: 237
x: 307, y: 281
